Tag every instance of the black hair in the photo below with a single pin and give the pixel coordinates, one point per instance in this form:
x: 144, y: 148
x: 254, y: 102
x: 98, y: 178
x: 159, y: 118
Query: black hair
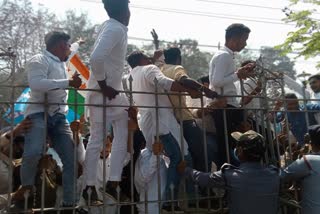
x: 53, y: 38
x: 134, y: 58
x: 247, y: 62
x: 116, y: 8
x: 290, y: 96
x: 171, y: 55
x: 255, y: 152
x: 204, y: 79
x: 236, y: 30
x: 316, y: 76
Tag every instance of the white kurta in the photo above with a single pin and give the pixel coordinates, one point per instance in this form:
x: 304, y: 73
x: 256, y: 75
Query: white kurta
x: 146, y: 180
x: 143, y: 81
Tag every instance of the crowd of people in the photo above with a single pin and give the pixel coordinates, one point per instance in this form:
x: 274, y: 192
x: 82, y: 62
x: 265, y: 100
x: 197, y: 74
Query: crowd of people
x: 158, y: 133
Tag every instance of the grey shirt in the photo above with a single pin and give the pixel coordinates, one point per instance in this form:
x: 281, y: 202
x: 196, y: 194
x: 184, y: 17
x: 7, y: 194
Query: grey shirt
x: 251, y: 188
x: 308, y: 172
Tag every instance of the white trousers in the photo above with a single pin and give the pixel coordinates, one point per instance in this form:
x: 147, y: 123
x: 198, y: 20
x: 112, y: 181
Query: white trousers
x: 118, y: 150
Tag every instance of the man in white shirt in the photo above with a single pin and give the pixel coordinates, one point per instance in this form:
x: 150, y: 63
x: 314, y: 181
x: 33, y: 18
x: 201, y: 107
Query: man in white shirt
x: 314, y: 82
x: 107, y: 62
x: 144, y: 75
x: 223, y: 75
x: 47, y: 77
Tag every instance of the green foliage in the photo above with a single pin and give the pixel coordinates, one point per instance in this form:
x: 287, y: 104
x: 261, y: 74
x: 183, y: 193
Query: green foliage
x: 195, y: 61
x: 305, y: 40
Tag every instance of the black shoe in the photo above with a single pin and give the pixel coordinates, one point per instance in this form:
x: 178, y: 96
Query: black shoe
x: 94, y: 201
x: 111, y: 193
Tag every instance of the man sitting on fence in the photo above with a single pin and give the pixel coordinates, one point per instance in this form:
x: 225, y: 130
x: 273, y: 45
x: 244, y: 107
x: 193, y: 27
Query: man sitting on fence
x: 252, y: 188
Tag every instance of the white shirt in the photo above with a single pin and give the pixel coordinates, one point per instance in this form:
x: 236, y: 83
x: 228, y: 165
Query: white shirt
x: 222, y: 75
x: 143, y: 81
x: 47, y: 74
x: 107, y: 62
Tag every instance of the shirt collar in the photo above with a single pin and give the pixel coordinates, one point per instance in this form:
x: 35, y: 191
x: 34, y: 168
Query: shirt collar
x: 47, y: 53
x: 229, y: 51
x: 114, y: 21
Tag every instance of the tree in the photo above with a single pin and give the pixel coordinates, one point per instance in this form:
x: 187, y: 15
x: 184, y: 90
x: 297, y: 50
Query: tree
x: 22, y: 29
x: 277, y: 62
x: 77, y: 25
x: 305, y: 40
x: 194, y: 60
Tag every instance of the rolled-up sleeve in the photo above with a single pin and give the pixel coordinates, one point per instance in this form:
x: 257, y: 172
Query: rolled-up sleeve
x: 37, y: 70
x: 221, y: 67
x: 103, y: 47
x: 153, y: 72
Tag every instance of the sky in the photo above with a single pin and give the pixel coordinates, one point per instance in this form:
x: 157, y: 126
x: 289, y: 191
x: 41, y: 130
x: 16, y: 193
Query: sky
x: 203, y: 20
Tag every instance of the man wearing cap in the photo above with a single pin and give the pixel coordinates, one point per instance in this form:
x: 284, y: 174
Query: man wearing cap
x: 252, y: 187
x: 307, y: 170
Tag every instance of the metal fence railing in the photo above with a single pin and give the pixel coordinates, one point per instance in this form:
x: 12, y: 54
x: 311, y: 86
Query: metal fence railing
x: 280, y: 153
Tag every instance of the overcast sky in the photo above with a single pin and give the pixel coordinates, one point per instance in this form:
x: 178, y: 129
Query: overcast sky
x: 203, y: 20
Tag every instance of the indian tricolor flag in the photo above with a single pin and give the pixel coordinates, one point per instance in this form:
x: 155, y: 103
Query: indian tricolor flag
x: 75, y: 111
x: 76, y: 65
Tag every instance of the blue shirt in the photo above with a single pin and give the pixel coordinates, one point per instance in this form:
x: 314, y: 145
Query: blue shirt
x: 252, y: 188
x: 297, y: 120
x: 307, y: 171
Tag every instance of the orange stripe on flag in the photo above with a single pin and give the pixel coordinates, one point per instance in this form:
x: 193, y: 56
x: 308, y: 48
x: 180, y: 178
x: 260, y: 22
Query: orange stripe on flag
x: 77, y: 63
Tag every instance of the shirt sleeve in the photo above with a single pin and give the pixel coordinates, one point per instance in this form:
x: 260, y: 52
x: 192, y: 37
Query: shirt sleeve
x: 312, y: 107
x: 221, y: 65
x: 37, y: 70
x: 203, y: 179
x: 74, y: 50
x: 103, y: 47
x: 153, y: 72
x: 179, y: 73
x: 297, y: 170
x: 249, y: 86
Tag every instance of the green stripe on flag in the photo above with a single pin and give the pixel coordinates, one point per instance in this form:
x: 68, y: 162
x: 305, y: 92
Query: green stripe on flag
x: 72, y: 101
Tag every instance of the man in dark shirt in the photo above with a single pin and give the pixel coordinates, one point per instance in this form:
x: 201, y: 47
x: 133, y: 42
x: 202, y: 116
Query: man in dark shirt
x: 252, y: 187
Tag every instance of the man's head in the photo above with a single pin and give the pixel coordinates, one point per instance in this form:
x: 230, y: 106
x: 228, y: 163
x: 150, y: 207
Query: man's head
x: 204, y: 81
x: 172, y: 56
x: 314, y: 82
x: 236, y: 36
x: 118, y: 10
x: 292, y: 101
x: 250, y: 146
x: 138, y: 58
x: 58, y: 44
x: 314, y: 133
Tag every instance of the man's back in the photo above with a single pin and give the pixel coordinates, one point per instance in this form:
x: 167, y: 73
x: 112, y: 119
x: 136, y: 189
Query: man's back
x: 307, y: 170
x: 108, y: 56
x: 252, y: 189
x: 176, y: 72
